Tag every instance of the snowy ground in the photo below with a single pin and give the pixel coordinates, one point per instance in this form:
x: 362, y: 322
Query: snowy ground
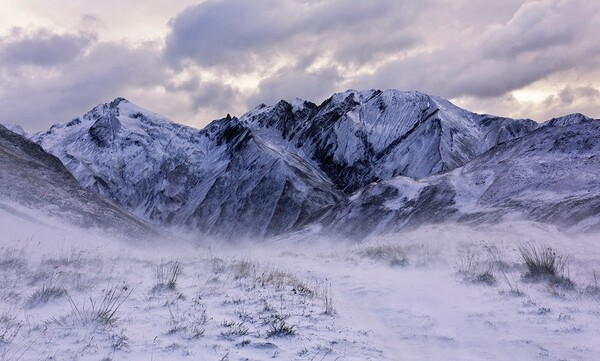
x: 443, y: 293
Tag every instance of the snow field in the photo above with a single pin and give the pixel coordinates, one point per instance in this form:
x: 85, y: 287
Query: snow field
x: 438, y: 293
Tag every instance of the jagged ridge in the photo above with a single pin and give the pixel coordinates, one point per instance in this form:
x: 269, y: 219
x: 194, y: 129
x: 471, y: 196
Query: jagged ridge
x: 220, y: 180
x: 357, y: 138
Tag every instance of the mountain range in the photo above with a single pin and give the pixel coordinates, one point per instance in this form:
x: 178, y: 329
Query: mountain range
x: 360, y: 163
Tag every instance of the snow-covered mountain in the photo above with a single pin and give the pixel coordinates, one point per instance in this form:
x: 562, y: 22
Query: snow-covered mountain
x: 357, y: 138
x: 549, y: 176
x: 364, y: 161
x: 221, y: 180
x: 34, y: 183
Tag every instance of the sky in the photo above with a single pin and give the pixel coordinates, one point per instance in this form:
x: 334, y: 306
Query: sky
x: 195, y: 61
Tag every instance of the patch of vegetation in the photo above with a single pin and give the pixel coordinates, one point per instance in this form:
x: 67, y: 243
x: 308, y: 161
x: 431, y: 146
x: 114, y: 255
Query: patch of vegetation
x: 45, y: 294
x: 279, y: 328
x: 234, y: 329
x: 396, y: 255
x: 100, y: 311
x: 9, y: 328
x: 166, y: 276
x: 190, y: 322
x: 473, y: 269
x: 544, y: 264
x: 486, y: 277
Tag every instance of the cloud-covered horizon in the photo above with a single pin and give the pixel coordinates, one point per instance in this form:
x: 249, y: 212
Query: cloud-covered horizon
x: 528, y: 59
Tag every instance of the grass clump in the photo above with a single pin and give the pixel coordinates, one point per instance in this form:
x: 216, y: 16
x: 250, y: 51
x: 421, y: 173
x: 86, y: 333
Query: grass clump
x: 167, y: 275
x: 234, y: 329
x: 545, y: 264
x: 45, y: 294
x: 473, y: 269
x: 188, y: 323
x: 100, y: 311
x: 9, y: 328
x: 279, y: 328
x: 395, y: 255
x: 594, y: 289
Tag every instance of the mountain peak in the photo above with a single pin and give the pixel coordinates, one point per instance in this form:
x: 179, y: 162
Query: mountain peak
x: 569, y: 119
x: 115, y: 103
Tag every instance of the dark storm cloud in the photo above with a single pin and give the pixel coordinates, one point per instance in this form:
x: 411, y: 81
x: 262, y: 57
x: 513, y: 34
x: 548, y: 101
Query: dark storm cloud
x: 41, y: 47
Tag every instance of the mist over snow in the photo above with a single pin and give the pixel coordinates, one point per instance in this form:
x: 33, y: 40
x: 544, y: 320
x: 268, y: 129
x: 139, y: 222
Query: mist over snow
x: 417, y: 295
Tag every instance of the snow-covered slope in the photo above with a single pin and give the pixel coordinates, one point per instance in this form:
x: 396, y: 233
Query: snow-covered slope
x: 547, y: 176
x: 221, y: 180
x: 35, y: 185
x: 361, y: 137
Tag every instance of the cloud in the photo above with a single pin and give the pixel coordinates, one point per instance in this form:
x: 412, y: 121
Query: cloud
x: 71, y: 73
x: 296, y: 83
x: 218, y: 57
x: 306, y: 48
x: 542, y: 38
x: 568, y: 94
x: 539, y: 25
x: 42, y: 48
x: 84, y: 72
x: 240, y: 36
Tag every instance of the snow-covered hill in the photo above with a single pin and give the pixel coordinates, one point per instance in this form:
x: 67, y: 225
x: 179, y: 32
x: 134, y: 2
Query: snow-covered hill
x: 221, y: 180
x: 549, y: 175
x: 35, y: 185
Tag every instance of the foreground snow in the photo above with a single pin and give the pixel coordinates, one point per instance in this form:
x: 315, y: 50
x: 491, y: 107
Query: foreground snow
x: 415, y: 296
